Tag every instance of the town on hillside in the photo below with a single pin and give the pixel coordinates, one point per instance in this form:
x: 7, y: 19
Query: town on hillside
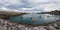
x: 56, y: 12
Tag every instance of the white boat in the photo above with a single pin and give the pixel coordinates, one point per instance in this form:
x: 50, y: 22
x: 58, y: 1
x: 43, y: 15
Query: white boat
x: 33, y: 19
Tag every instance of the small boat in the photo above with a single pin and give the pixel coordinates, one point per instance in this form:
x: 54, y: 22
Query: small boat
x: 47, y: 16
x: 21, y: 17
x: 40, y: 17
x: 33, y: 19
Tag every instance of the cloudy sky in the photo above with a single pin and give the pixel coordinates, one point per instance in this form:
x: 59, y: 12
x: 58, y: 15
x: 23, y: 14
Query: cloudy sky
x: 30, y: 5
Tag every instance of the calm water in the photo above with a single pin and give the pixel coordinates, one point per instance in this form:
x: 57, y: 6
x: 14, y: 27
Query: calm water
x: 38, y: 18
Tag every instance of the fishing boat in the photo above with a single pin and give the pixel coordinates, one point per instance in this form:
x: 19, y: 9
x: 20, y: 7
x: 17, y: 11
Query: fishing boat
x: 40, y: 16
x: 33, y: 19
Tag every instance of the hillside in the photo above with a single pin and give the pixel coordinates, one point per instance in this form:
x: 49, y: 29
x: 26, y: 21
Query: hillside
x: 6, y: 14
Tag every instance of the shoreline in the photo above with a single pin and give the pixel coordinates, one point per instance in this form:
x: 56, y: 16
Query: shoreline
x: 13, y: 25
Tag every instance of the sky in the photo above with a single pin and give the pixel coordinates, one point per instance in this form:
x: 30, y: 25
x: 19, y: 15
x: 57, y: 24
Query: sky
x: 29, y: 5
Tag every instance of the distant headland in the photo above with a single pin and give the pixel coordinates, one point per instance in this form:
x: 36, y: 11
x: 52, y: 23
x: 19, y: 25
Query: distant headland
x: 56, y: 12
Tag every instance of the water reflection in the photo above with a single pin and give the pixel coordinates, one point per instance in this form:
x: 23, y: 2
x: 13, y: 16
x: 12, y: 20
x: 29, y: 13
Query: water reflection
x: 35, y: 19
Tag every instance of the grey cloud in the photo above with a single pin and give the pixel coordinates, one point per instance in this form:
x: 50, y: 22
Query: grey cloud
x: 37, y: 6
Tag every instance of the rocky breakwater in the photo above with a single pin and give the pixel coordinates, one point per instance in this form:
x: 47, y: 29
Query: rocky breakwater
x: 7, y: 25
x: 7, y: 14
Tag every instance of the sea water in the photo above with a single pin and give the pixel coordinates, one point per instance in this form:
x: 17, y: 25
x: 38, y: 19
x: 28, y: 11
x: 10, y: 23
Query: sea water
x: 38, y: 18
